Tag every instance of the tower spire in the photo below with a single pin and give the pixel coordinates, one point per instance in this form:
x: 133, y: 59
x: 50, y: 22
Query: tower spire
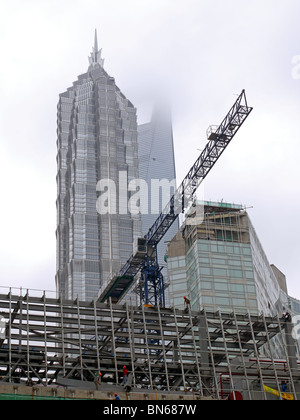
x: 96, y: 41
x: 95, y: 57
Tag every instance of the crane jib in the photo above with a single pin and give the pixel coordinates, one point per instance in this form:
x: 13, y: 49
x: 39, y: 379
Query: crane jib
x: 218, y: 140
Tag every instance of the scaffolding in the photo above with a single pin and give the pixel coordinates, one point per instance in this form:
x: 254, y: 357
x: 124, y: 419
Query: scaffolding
x: 49, y: 341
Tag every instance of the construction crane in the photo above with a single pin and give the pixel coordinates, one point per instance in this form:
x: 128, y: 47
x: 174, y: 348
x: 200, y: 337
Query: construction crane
x: 145, y: 259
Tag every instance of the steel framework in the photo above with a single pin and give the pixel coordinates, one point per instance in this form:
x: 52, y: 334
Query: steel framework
x: 50, y: 341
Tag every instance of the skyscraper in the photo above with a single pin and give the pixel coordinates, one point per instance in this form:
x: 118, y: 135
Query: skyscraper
x: 157, y: 168
x: 97, y: 141
x: 219, y: 263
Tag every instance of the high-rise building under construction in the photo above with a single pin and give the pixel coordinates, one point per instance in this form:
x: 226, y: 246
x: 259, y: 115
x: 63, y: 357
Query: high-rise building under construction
x: 97, y: 140
x: 218, y: 263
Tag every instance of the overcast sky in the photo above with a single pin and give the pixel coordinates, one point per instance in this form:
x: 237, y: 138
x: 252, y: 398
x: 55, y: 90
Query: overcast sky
x: 203, y: 53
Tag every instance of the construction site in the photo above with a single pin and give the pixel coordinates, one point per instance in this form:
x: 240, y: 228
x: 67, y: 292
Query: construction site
x: 57, y: 348
x: 66, y: 349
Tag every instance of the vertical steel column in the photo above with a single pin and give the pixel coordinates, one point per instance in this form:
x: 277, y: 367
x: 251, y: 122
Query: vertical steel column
x: 242, y: 355
x: 27, y: 334
x: 9, y: 337
x: 285, y: 343
x: 20, y: 319
x: 113, y: 340
x: 226, y: 353
x: 147, y: 347
x: 257, y: 357
x: 97, y: 336
x: 179, y: 348
x: 195, y: 350
x: 45, y: 337
x: 79, y: 339
x: 62, y: 323
x: 130, y: 326
x: 272, y: 358
x: 163, y: 347
x: 210, y: 348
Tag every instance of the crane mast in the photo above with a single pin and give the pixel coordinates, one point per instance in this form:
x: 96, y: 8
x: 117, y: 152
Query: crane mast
x: 145, y: 259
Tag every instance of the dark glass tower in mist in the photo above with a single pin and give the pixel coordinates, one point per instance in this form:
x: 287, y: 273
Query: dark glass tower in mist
x: 97, y: 140
x: 157, y: 162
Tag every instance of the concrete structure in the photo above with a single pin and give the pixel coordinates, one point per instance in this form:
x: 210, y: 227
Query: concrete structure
x: 16, y: 392
x: 97, y: 141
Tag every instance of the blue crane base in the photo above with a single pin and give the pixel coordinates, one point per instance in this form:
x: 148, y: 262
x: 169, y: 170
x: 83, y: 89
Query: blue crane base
x: 152, y: 287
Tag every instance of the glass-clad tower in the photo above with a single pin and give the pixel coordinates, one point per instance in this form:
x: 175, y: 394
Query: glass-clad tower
x: 97, y: 140
x: 220, y: 264
x: 157, y: 168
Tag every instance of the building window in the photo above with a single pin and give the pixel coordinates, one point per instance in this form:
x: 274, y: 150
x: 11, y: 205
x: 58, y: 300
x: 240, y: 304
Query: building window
x: 221, y: 272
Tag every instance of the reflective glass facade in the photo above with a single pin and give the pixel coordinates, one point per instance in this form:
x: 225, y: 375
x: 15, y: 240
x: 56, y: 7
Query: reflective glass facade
x: 220, y: 265
x: 97, y: 139
x: 157, y: 163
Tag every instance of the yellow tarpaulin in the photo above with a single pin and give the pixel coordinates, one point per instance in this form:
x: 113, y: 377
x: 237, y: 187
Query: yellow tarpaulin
x: 284, y: 395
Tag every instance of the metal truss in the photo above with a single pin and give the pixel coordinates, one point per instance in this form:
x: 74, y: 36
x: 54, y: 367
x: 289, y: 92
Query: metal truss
x: 50, y: 341
x: 218, y: 140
